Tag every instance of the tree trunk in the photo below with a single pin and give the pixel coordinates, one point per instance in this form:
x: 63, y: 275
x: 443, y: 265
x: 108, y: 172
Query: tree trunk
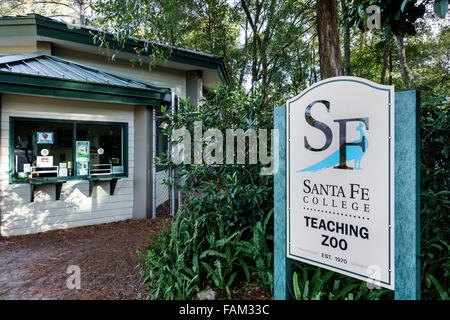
x: 82, y: 5
x: 254, y: 61
x: 402, y: 56
x: 256, y: 41
x: 390, y: 66
x: 244, y: 66
x: 328, y: 32
x: 264, y: 78
x: 347, y: 67
x: 313, y: 67
x: 387, y: 50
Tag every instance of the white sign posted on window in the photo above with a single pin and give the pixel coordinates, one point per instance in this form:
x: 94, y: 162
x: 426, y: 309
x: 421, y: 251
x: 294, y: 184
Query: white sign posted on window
x: 340, y: 182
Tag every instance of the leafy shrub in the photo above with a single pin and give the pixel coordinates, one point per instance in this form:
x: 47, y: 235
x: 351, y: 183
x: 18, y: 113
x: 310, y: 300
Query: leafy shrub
x: 224, y: 235
x: 435, y: 209
x: 325, y: 287
x: 311, y: 283
x: 167, y: 273
x: 195, y: 252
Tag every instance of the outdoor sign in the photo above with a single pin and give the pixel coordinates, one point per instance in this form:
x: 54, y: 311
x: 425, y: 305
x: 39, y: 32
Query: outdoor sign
x: 340, y: 178
x: 44, y: 137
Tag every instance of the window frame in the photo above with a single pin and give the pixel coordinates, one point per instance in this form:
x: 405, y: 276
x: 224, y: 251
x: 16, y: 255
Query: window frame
x: 125, y: 150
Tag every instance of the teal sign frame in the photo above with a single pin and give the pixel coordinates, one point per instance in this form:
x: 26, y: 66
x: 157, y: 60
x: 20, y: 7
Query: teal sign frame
x: 407, y: 201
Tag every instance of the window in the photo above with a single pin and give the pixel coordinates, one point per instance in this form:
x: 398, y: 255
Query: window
x: 67, y: 149
x: 105, y: 148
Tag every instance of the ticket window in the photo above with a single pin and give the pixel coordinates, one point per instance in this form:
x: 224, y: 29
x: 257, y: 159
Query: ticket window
x: 105, y: 148
x: 41, y: 148
x: 53, y: 148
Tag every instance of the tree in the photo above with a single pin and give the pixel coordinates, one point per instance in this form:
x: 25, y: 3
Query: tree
x: 403, y: 65
x: 73, y: 11
x: 271, y: 31
x: 328, y: 33
x: 209, y: 26
x: 398, y: 19
x: 347, y: 38
x: 275, y: 27
x: 386, y: 58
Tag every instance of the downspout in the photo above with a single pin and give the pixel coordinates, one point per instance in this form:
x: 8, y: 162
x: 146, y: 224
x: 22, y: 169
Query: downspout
x: 153, y: 162
x: 180, y: 192
x: 172, y: 171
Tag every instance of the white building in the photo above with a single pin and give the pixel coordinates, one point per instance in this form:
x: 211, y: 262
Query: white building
x: 77, y: 129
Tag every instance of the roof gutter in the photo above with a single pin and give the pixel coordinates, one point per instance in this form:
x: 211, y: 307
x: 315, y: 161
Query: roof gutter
x: 65, y: 88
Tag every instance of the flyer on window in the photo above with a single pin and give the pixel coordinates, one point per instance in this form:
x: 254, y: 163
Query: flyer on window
x: 82, y: 168
x: 82, y: 151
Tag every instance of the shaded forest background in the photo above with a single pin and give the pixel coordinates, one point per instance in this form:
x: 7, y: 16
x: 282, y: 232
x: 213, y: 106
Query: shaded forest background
x: 283, y: 45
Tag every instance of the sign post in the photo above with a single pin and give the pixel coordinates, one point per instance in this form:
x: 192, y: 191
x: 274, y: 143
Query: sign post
x: 282, y: 265
x: 346, y: 195
x: 407, y: 195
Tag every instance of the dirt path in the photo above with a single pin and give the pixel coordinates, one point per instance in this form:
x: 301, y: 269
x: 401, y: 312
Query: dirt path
x: 34, y: 266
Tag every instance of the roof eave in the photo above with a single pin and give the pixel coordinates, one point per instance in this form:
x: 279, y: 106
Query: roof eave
x: 65, y: 88
x: 46, y: 27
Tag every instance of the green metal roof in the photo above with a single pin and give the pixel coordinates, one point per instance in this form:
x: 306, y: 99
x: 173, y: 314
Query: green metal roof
x: 41, y: 74
x: 49, y: 66
x: 34, y: 24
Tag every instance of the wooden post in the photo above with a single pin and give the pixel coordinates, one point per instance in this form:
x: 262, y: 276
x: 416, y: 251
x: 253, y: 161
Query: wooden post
x: 407, y: 195
x: 282, y: 265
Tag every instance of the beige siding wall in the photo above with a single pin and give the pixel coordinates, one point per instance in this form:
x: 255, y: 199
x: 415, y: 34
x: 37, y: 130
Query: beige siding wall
x: 163, y: 77
x: 14, y: 49
x: 75, y: 208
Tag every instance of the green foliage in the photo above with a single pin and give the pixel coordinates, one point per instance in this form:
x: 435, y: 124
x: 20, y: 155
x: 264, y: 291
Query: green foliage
x: 196, y: 252
x: 234, y: 203
x: 310, y: 283
x: 435, y: 206
x: 260, y: 41
x: 427, y: 57
x: 441, y: 8
x: 398, y: 17
x: 209, y: 26
x: 224, y: 235
x: 71, y: 11
x: 169, y: 270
